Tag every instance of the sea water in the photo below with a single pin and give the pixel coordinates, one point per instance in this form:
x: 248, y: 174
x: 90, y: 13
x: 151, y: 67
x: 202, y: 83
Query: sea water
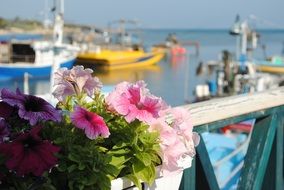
x: 174, y: 78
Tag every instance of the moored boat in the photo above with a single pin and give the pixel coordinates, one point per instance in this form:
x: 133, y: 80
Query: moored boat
x: 37, y: 57
x: 124, y: 49
x: 274, y: 65
x: 119, y: 59
x: 33, y: 57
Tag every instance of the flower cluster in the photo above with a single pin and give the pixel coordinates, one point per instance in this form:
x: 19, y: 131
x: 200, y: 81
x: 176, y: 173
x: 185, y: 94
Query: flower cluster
x: 89, y: 139
x: 22, y: 149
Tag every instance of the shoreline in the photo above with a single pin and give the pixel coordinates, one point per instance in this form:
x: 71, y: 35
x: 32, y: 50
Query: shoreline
x: 41, y: 31
x: 22, y: 31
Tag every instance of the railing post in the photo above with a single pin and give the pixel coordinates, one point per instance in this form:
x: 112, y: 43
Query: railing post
x: 205, y: 176
x: 274, y: 173
x: 280, y: 153
x: 258, y: 153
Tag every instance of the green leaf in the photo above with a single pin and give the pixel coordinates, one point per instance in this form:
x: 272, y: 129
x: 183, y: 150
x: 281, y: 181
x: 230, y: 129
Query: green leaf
x: 137, y: 166
x: 48, y: 187
x: 145, y: 158
x: 71, y: 168
x: 95, y: 169
x: 113, y: 171
x: 2, y: 159
x: 59, y: 141
x: 70, y: 184
x: 81, y: 187
x: 103, y: 149
x: 92, y: 179
x: 135, y: 180
x: 81, y: 166
x: 104, y: 183
x: 149, y: 138
x: 118, y: 161
x: 74, y: 157
x: 119, y: 151
x: 148, y: 174
x: 156, y: 159
x: 62, y: 167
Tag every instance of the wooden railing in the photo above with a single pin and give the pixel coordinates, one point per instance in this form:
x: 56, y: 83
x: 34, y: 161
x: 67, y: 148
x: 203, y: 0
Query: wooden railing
x: 263, y: 163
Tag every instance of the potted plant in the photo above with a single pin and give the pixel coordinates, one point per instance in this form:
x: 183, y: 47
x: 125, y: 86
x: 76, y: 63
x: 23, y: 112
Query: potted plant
x: 91, y: 141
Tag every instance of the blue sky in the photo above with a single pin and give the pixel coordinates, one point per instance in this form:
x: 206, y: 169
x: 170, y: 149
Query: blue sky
x: 156, y: 13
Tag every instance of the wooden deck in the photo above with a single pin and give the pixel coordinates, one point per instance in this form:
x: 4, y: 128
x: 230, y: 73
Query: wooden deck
x: 263, y: 164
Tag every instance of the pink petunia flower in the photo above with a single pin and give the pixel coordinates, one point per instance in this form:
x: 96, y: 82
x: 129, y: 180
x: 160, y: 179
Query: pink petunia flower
x: 75, y: 81
x: 28, y: 153
x: 90, y: 122
x: 177, y: 140
x: 134, y: 101
x: 115, y: 95
x: 182, y: 123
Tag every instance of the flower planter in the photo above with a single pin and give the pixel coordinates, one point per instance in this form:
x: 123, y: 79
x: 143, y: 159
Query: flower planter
x: 161, y: 183
x: 171, y: 182
x: 89, y: 139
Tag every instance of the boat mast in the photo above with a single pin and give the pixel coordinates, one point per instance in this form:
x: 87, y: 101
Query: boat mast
x: 57, y: 38
x: 58, y: 23
x: 242, y: 30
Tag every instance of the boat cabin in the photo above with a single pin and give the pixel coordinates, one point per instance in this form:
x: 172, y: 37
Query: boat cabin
x: 22, y: 52
x: 16, y: 52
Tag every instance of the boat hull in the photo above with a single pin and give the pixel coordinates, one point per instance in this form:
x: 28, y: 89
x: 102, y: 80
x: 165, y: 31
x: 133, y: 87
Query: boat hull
x: 271, y: 69
x: 114, y: 62
x: 15, y: 71
x: 276, y: 65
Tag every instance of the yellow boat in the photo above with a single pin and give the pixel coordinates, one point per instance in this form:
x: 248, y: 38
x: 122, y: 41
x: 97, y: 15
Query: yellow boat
x: 122, y: 50
x: 275, y: 65
x: 119, y: 59
x: 271, y: 69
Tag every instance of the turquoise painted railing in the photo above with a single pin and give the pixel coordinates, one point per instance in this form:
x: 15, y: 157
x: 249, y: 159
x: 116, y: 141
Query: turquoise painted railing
x: 263, y: 164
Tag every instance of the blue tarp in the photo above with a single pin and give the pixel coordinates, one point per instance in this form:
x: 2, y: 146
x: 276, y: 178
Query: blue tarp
x: 219, y: 146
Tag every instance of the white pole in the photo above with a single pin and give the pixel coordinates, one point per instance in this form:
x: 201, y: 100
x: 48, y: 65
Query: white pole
x: 238, y: 42
x: 62, y: 7
x: 53, y: 69
x: 26, y: 83
x: 244, y: 29
x: 59, y: 24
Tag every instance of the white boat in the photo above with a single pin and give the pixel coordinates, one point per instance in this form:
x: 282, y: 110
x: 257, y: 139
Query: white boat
x: 37, y: 58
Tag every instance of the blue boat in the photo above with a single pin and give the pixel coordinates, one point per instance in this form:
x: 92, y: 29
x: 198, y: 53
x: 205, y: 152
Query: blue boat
x: 227, y: 151
x: 20, y: 55
x: 35, y: 58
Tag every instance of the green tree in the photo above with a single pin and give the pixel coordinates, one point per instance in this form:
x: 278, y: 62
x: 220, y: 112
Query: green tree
x: 3, y: 23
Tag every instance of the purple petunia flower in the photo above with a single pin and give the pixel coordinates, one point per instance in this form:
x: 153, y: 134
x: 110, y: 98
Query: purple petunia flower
x: 5, y: 110
x: 4, y: 131
x: 31, y: 108
x: 75, y: 81
x: 90, y: 122
x: 28, y: 153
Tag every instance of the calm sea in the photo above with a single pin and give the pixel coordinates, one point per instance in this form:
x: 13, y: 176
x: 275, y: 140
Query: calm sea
x: 174, y: 78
